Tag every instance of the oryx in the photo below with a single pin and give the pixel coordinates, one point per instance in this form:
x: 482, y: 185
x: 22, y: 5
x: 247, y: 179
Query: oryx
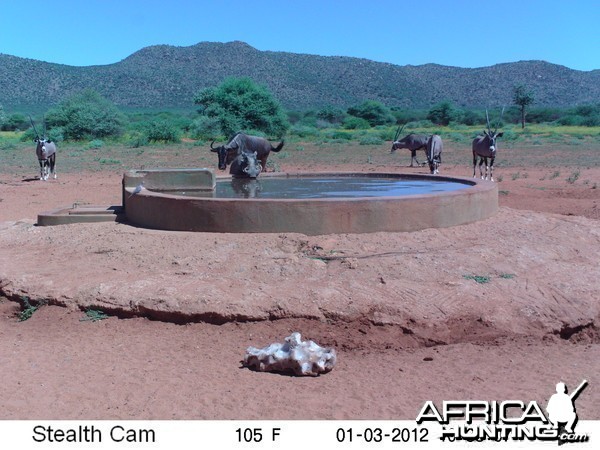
x: 413, y: 142
x: 485, y: 147
x: 46, y: 153
x: 434, y: 153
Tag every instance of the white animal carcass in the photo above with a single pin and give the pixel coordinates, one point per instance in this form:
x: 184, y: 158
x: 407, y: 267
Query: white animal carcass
x: 293, y: 355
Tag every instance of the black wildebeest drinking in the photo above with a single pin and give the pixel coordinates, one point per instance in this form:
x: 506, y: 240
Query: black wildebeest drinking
x: 242, y: 142
x: 434, y: 153
x: 413, y: 142
x: 485, y: 147
x: 46, y: 154
x: 245, y: 165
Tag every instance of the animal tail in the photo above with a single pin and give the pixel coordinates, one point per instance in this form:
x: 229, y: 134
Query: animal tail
x: 279, y: 147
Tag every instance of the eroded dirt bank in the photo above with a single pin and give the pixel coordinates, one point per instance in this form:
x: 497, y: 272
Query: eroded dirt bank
x: 515, y: 297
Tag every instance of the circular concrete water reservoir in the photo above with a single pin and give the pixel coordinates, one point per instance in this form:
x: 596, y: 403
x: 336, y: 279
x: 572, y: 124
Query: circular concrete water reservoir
x: 312, y: 204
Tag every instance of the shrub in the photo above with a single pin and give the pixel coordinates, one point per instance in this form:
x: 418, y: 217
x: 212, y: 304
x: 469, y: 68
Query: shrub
x: 405, y: 116
x: 457, y: 137
x: 205, y: 127
x: 86, y: 115
x: 443, y: 113
x: 355, y: 123
x: 241, y: 104
x: 14, y: 122
x: 162, y: 131
x: 370, y: 140
x: 331, y: 115
x: 294, y: 116
x: 375, y: 113
x: 137, y: 139
x: 471, y: 118
x: 510, y: 135
x: 341, y: 135
x: 304, y: 131
x: 96, y: 144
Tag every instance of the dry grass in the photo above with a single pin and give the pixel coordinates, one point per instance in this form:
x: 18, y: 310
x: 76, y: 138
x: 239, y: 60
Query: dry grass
x: 19, y: 158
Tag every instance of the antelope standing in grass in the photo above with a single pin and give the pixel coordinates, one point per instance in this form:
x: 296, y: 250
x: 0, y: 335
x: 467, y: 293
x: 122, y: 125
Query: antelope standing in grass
x: 413, y: 142
x: 485, y: 147
x: 46, y: 154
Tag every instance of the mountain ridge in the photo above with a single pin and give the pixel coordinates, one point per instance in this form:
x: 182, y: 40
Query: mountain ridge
x: 166, y: 76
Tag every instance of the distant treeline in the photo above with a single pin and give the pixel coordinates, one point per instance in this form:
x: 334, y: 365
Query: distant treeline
x: 170, y: 126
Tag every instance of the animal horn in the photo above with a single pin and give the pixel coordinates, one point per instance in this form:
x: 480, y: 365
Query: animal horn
x: 37, y: 135
x: 398, y: 131
x: 44, y: 119
x: 487, y: 118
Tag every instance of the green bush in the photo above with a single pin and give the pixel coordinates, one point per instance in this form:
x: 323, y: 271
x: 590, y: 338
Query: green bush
x: 136, y: 139
x: 406, y: 116
x: 443, y: 113
x: 457, y: 137
x: 375, y: 113
x: 14, y: 122
x: 510, y: 135
x: 96, y: 144
x: 162, y: 131
x: 205, y: 127
x: 304, y: 131
x: 331, y: 115
x: 370, y: 140
x: 355, y: 123
x: 341, y: 135
x: 54, y: 135
x: 239, y: 104
x: 86, y: 115
x: 471, y: 118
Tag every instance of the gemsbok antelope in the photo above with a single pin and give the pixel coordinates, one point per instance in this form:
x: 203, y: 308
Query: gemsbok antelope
x: 485, y: 147
x: 46, y: 153
x: 412, y: 142
x: 434, y: 153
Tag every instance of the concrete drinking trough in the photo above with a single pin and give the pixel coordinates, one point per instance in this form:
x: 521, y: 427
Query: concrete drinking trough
x: 192, y: 200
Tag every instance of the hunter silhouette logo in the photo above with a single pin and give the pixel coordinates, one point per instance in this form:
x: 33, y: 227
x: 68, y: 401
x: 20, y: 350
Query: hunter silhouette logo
x: 516, y: 420
x: 561, y: 410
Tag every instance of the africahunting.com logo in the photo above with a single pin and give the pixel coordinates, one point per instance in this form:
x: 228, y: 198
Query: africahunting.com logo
x: 510, y: 420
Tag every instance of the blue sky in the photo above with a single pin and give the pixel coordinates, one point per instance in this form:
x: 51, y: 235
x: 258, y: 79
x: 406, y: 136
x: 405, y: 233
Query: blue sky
x: 464, y: 33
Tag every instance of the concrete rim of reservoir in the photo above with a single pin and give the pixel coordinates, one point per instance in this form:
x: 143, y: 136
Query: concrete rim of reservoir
x: 145, y: 206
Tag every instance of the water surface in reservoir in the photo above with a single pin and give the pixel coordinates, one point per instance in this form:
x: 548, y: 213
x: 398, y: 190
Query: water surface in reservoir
x: 315, y: 187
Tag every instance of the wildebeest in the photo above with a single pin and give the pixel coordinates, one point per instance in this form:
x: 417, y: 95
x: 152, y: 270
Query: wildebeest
x: 434, y: 153
x: 413, y: 142
x: 242, y: 142
x: 485, y: 147
x: 245, y: 165
x: 45, y: 150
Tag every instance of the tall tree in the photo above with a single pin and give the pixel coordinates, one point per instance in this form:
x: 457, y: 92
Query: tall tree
x: 239, y: 104
x: 443, y: 113
x: 522, y: 98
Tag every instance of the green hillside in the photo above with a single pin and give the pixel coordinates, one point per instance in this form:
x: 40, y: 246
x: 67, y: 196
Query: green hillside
x: 169, y: 77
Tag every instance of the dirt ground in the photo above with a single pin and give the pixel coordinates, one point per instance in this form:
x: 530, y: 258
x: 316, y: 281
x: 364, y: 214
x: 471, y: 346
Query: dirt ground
x: 405, y: 312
